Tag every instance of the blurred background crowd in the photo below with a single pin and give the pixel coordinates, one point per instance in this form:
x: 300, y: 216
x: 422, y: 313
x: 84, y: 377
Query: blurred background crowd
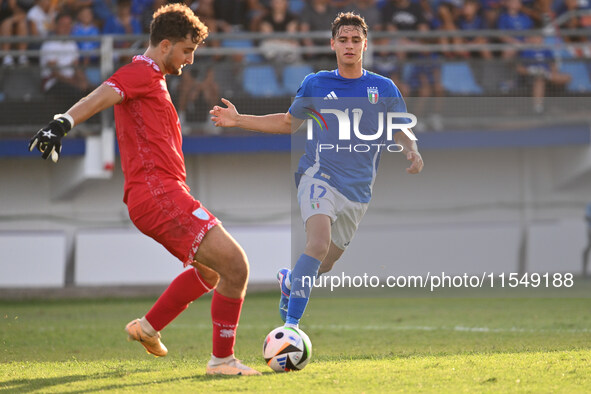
x: 430, y: 48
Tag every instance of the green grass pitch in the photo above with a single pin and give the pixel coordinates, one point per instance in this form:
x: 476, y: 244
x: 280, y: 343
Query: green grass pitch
x: 364, y: 343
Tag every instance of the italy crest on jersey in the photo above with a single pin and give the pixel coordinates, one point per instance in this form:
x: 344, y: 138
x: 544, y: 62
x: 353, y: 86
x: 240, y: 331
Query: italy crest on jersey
x: 372, y: 95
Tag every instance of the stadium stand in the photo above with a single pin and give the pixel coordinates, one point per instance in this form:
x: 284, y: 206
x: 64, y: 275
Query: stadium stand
x: 22, y: 84
x: 258, y: 85
x: 261, y: 81
x: 236, y: 53
x: 579, y: 72
x: 457, y: 78
x: 293, y: 75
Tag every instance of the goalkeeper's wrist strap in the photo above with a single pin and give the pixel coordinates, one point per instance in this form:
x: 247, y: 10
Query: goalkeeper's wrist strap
x: 62, y: 118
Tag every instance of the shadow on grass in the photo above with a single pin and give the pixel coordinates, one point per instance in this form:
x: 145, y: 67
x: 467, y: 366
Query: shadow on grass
x: 28, y: 385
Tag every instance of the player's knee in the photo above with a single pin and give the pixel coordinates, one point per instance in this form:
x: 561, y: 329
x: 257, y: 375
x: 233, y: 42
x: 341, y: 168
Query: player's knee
x: 317, y: 248
x: 237, y: 269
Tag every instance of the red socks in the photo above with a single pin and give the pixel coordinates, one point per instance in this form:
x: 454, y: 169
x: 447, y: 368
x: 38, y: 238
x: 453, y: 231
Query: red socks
x: 184, y: 289
x: 225, y: 313
x: 187, y: 287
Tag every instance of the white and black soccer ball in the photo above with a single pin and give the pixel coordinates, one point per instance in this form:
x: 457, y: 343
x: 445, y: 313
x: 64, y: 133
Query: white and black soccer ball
x: 287, y: 349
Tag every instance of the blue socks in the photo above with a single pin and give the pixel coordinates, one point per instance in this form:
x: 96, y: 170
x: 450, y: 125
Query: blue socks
x: 302, y: 279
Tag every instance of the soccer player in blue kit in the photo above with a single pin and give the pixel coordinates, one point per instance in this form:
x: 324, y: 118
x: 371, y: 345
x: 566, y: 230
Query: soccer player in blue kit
x: 334, y: 185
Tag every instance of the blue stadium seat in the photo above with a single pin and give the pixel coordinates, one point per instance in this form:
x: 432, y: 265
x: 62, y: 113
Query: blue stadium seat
x: 293, y: 75
x: 457, y: 78
x: 580, y: 81
x: 261, y: 81
x: 559, y: 49
x: 407, y: 72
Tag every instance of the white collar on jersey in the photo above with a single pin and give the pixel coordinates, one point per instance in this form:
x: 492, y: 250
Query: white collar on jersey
x: 148, y: 60
x: 336, y: 72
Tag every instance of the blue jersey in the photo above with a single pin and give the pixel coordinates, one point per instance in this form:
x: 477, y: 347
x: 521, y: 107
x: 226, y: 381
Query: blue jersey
x: 537, y: 57
x: 515, y: 22
x: 351, y: 164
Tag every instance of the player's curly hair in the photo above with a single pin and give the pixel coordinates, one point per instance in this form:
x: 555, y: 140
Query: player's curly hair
x: 348, y: 19
x: 173, y: 22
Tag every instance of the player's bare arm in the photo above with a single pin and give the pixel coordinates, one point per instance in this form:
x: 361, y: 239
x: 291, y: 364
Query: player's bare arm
x: 48, y: 139
x: 412, y: 152
x: 98, y: 100
x: 280, y: 123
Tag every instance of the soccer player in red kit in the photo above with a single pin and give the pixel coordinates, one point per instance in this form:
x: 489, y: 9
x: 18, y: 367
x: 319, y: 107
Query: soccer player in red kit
x: 158, y: 199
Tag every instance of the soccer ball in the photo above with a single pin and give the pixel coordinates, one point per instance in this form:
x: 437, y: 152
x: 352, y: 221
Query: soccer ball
x: 287, y: 349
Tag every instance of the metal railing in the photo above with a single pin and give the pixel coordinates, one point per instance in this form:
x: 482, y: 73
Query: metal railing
x: 214, y: 48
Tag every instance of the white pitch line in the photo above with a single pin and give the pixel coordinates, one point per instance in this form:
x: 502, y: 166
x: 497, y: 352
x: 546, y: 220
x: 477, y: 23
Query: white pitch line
x: 383, y: 327
x: 370, y: 327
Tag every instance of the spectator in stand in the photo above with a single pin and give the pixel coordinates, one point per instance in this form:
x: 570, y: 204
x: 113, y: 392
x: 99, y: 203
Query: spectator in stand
x: 385, y: 62
x: 540, y: 11
x: 448, y: 14
x: 232, y: 14
x: 41, y: 18
x: 123, y: 22
x: 388, y: 64
x: 13, y: 22
x: 198, y: 89
x: 530, y: 8
x: 471, y: 20
x: 63, y: 81
x: 491, y: 9
x: 102, y: 11
x: 513, y: 19
x: 206, y: 12
x: 85, y: 26
x: 403, y: 15
x: 316, y: 15
x: 71, y: 6
x: 256, y: 11
x: 429, y: 10
x: 139, y: 6
x: 146, y: 16
x: 369, y: 11
x: 200, y: 93
x: 279, y: 20
x: 424, y: 78
x: 537, y: 68
x: 576, y: 22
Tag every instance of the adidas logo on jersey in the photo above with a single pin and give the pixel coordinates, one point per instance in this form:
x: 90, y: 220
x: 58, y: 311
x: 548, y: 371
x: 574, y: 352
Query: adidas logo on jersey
x: 331, y: 96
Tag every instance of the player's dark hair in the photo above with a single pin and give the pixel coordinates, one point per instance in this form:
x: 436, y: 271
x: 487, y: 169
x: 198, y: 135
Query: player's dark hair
x: 348, y: 19
x: 173, y: 22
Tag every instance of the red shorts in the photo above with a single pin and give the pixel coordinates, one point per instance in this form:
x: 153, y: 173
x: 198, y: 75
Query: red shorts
x: 175, y: 220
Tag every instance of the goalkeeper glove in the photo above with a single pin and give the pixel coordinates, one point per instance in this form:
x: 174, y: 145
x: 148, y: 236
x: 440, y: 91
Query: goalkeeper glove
x: 48, y: 139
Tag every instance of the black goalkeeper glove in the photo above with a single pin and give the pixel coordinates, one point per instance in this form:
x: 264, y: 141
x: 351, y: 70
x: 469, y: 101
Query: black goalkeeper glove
x: 48, y: 140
